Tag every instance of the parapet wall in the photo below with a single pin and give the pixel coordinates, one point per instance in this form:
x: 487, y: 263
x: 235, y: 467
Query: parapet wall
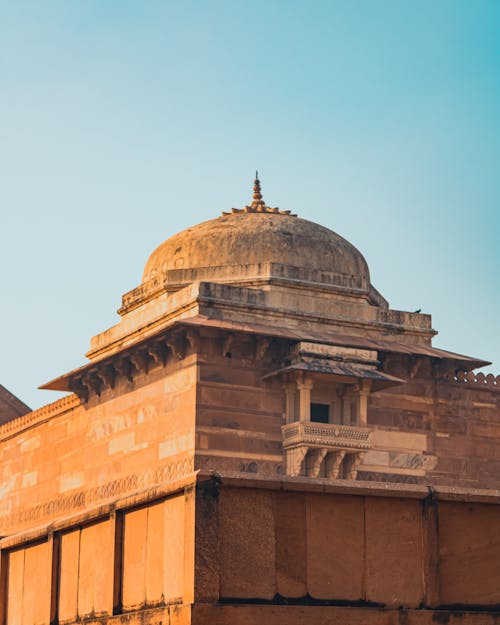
x: 478, y: 380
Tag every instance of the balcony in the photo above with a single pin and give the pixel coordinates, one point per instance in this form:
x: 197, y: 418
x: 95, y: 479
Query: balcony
x: 324, y: 449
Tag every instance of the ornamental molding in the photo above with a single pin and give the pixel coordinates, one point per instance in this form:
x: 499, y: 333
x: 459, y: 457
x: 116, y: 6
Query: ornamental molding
x: 169, y: 472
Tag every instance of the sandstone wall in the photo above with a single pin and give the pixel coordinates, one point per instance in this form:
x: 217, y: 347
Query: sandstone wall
x: 261, y: 546
x: 460, y: 420
x: 429, y: 430
x: 319, y: 548
x: 134, y: 558
x: 70, y: 455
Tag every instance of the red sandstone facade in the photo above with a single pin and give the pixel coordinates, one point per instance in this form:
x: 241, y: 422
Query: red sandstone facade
x: 261, y: 439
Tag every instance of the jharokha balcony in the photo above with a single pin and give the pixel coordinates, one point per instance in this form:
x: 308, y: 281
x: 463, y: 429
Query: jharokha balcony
x: 326, y: 403
x: 324, y: 449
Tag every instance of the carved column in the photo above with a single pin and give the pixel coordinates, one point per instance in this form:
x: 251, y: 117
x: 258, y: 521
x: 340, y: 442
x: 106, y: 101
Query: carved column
x: 304, y: 386
x: 364, y: 391
x: 346, y: 396
x: 290, y: 397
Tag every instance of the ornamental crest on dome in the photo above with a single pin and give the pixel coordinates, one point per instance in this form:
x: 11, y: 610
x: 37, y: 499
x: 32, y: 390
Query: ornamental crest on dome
x: 258, y: 204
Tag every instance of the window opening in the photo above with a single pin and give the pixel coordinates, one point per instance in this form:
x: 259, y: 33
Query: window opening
x: 320, y: 413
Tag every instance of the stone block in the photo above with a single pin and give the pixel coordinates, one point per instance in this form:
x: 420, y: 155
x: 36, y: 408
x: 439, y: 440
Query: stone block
x: 469, y: 553
x: 68, y: 576
x: 206, y: 579
x: 174, y: 545
x: 155, y: 552
x: 121, y: 443
x: 134, y: 557
x: 290, y: 515
x: 394, y: 562
x: 36, y: 585
x: 247, y: 544
x: 335, y: 546
x: 95, y: 573
x: 15, y: 587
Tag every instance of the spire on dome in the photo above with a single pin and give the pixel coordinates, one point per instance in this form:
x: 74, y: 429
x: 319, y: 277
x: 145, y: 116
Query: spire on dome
x: 257, y: 195
x: 258, y: 205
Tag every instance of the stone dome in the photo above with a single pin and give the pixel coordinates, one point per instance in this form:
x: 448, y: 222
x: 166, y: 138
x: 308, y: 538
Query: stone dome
x: 244, y: 238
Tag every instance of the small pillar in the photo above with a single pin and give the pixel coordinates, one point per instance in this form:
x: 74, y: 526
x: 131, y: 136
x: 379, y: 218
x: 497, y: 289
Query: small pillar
x: 290, y: 402
x: 364, y: 391
x: 345, y: 397
x: 304, y: 386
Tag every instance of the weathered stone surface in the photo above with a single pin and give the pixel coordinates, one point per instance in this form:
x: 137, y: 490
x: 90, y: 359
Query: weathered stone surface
x: 246, y: 520
x: 291, y: 544
x: 334, y: 571
x: 394, y: 552
x: 469, y: 553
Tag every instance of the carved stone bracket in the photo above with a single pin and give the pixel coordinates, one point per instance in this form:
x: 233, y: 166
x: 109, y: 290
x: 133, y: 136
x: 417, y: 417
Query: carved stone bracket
x: 313, y: 461
x: 227, y: 344
x: 108, y: 375
x: 333, y: 461
x: 125, y: 367
x: 414, y: 366
x: 140, y: 360
x: 294, y: 460
x: 177, y: 344
x: 130, y: 363
x: 351, y: 464
x: 193, y: 340
x: 159, y: 352
x: 80, y: 389
x: 262, y: 345
x: 94, y: 382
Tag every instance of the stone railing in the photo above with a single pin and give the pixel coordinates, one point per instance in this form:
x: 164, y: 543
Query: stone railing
x: 477, y: 380
x: 326, y: 435
x: 324, y: 449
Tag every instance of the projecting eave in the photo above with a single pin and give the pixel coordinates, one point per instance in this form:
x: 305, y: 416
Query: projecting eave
x: 344, y: 372
x: 468, y: 363
x: 457, y: 361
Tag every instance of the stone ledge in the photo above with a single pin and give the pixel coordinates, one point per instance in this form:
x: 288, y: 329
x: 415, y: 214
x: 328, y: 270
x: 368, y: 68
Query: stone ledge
x: 352, y: 487
x: 254, y: 614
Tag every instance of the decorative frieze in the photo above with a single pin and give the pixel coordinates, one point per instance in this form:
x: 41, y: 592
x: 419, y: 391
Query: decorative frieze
x: 79, y: 499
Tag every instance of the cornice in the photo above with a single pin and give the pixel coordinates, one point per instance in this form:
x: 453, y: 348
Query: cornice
x: 35, y: 417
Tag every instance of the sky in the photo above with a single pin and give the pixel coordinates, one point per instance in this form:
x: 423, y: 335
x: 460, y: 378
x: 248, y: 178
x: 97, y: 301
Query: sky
x: 123, y: 122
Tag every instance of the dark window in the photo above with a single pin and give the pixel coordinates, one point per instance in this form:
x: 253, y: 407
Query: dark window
x: 320, y: 413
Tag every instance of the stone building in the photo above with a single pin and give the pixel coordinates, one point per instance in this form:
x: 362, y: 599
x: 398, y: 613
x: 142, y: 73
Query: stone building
x: 11, y: 406
x: 260, y: 439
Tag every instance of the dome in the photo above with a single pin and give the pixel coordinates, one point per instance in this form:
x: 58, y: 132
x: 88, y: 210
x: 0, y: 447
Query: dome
x: 245, y: 240
x: 250, y: 238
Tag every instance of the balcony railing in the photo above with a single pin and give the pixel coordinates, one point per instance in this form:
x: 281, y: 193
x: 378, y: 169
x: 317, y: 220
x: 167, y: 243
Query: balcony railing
x: 329, y: 435
x: 324, y: 449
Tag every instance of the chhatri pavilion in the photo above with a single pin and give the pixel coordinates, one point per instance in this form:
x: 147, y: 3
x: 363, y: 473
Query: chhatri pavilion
x: 260, y: 439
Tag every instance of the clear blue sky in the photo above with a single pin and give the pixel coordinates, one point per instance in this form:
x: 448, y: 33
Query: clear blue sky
x: 123, y: 122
